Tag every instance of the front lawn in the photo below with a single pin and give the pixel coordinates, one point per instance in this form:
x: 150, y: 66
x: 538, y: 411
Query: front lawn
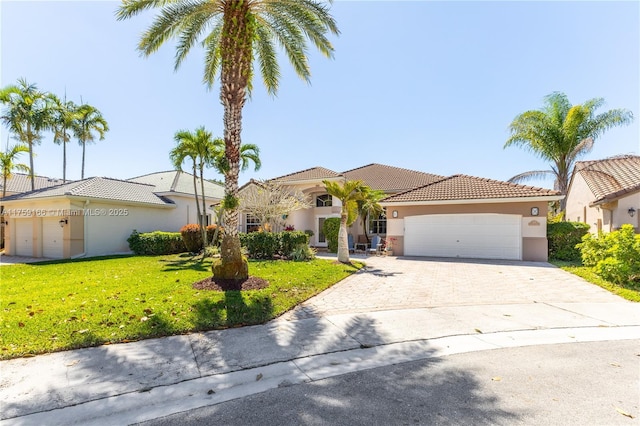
x: 629, y: 291
x: 51, y: 306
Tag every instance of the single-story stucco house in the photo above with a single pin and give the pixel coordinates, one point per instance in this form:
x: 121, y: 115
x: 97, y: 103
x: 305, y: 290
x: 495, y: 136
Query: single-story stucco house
x: 18, y: 183
x: 95, y: 216
x: 432, y: 215
x: 605, y: 194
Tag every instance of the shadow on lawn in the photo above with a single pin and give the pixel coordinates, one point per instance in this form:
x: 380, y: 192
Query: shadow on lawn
x: 93, y: 374
x: 187, y: 262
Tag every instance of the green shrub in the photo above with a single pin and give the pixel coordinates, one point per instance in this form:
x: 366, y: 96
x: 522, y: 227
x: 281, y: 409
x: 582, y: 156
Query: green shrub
x: 156, y: 242
x: 302, y: 252
x: 614, y: 256
x: 192, y: 237
x: 563, y: 238
x: 261, y: 245
x: 290, y: 240
x: 330, y: 229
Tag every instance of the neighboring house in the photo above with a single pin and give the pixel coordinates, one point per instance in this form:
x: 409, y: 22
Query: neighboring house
x: 431, y: 215
x: 95, y: 216
x: 19, y: 183
x: 605, y: 193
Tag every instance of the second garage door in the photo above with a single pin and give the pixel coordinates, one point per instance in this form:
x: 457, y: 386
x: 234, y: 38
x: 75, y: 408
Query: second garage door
x: 482, y: 236
x: 52, y: 235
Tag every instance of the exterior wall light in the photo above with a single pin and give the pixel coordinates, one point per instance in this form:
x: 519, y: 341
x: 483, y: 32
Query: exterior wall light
x: 631, y: 211
x: 394, y: 213
x: 63, y: 222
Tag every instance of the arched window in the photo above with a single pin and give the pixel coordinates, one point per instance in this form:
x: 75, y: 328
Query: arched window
x: 323, y: 200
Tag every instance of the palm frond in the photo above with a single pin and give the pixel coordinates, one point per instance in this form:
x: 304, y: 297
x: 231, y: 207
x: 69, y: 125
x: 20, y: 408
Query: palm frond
x: 534, y: 174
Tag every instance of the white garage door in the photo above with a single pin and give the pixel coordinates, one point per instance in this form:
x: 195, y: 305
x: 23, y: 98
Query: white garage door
x: 482, y: 236
x: 51, y: 238
x: 24, y: 237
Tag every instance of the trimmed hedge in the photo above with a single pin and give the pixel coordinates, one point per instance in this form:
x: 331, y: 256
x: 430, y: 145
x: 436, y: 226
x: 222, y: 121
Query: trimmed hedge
x: 192, y: 237
x: 211, y: 229
x: 156, y: 242
x: 290, y: 240
x: 330, y: 229
x: 265, y: 245
x: 563, y: 238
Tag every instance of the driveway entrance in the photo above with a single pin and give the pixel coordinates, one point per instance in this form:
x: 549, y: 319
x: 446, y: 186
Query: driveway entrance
x: 390, y: 283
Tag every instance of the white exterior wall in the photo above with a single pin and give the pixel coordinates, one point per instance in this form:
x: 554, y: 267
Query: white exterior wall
x: 107, y: 226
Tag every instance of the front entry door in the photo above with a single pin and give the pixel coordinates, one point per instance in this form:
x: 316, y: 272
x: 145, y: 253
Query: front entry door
x: 321, y: 240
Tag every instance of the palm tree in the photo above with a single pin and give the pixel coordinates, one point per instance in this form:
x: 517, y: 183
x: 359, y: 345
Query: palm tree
x: 349, y: 193
x: 203, y: 150
x: 87, y: 121
x: 8, y: 163
x: 63, y: 115
x: 26, y: 115
x: 560, y: 133
x: 369, y: 206
x: 237, y: 32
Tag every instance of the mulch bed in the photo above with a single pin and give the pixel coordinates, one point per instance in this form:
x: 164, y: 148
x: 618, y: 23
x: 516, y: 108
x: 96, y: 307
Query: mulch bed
x: 251, y: 283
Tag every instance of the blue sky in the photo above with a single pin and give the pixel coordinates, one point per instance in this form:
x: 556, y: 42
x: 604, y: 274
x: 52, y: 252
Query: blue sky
x: 429, y: 86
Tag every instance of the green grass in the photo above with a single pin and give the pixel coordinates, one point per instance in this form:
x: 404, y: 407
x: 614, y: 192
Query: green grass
x: 628, y: 291
x: 52, y: 306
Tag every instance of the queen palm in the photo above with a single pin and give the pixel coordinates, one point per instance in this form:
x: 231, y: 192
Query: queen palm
x: 8, y: 163
x: 63, y: 115
x: 233, y: 34
x: 369, y: 206
x: 202, y: 149
x: 561, y: 133
x: 26, y: 114
x: 349, y: 193
x: 87, y: 121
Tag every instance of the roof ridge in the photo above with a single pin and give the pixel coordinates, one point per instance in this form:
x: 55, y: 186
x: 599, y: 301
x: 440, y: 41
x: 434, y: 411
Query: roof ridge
x: 152, y: 173
x: 305, y: 170
x: 503, y: 182
x: 176, y: 177
x: 444, y: 178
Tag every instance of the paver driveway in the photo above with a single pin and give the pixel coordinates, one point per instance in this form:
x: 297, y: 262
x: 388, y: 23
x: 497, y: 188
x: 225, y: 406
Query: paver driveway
x: 390, y: 283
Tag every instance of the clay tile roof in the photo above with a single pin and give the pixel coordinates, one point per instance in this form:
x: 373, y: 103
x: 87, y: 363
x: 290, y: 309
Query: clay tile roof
x: 308, y: 174
x: 100, y: 188
x: 612, y: 177
x: 389, y: 178
x: 20, y: 182
x: 463, y: 187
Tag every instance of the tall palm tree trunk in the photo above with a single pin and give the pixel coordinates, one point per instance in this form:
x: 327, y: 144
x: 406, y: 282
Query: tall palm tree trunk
x: 64, y: 155
x: 236, y: 50
x: 84, y: 145
x: 30, y: 143
x: 195, y: 192
x: 343, y: 246
x: 203, y: 226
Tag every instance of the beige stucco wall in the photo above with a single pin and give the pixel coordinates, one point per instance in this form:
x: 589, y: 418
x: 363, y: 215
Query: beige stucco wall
x: 610, y: 216
x: 534, y: 229
x: 36, y: 211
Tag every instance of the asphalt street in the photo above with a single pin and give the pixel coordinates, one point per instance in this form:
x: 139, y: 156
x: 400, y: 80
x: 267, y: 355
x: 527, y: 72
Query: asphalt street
x: 592, y: 383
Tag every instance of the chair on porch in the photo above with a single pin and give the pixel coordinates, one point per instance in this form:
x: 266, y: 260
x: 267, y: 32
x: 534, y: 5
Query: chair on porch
x: 351, y: 244
x: 376, y: 246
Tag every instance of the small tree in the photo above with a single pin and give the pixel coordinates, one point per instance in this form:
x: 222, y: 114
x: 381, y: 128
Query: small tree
x: 349, y: 193
x: 271, y: 202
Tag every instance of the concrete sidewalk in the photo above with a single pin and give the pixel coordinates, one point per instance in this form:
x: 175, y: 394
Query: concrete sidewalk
x: 396, y: 310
